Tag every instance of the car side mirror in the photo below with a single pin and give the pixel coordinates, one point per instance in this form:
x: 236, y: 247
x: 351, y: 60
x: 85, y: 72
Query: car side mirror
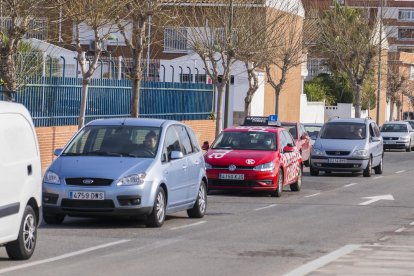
x: 288, y: 148
x: 375, y: 139
x: 176, y: 155
x: 205, y: 145
x: 57, y: 152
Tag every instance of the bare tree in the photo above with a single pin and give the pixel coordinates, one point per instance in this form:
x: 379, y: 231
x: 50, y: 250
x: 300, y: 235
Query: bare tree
x: 398, y: 84
x: 139, y: 15
x: 98, y: 16
x: 20, y: 16
x: 349, y: 40
x: 288, y: 55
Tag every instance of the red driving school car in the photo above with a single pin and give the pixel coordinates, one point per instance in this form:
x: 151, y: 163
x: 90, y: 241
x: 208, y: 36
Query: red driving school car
x: 258, y: 156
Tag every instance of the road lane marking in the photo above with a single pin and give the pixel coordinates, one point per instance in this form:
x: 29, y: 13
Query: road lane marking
x: 400, y: 171
x: 400, y: 230
x: 61, y: 257
x: 384, y: 238
x: 373, y: 199
x: 313, y: 195
x: 378, y: 177
x: 266, y: 207
x: 351, y: 184
x: 324, y: 260
x: 412, y: 223
x: 188, y: 225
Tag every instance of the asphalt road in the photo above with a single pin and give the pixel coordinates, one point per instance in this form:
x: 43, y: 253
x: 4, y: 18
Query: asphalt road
x: 241, y: 234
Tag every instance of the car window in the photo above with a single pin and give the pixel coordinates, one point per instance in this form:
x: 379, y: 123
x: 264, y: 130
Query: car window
x: 376, y: 130
x: 313, y: 131
x: 289, y: 139
x: 252, y: 140
x: 394, y: 128
x: 344, y: 130
x: 283, y: 141
x: 194, y: 141
x: 185, y: 140
x: 371, y: 131
x: 300, y: 131
x: 292, y: 130
x: 171, y: 143
x: 411, y: 123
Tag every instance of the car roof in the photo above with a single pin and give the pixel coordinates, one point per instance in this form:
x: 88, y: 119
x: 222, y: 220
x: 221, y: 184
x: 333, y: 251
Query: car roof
x: 146, y: 122
x: 252, y: 128
x: 349, y: 120
x: 289, y: 123
x: 11, y: 107
x: 312, y: 124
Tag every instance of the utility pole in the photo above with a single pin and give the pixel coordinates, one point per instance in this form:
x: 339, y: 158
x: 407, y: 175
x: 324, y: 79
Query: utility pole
x: 379, y: 64
x: 227, y: 90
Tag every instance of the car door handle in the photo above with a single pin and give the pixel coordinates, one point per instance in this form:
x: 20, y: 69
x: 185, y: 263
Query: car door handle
x: 184, y: 167
x: 197, y: 162
x: 165, y: 172
x: 29, y: 170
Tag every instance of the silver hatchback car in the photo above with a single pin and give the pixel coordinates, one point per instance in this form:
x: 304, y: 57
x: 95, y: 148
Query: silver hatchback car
x: 127, y: 167
x: 348, y: 145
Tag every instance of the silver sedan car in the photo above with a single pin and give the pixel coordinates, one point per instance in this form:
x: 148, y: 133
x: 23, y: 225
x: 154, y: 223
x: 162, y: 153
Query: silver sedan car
x: 398, y: 135
x: 127, y: 167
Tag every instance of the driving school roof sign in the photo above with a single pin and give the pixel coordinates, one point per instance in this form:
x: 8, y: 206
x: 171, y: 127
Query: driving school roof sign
x: 272, y: 120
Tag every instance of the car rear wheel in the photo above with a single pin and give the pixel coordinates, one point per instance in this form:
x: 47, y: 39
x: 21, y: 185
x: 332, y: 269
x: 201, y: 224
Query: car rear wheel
x: 368, y: 170
x: 279, y: 190
x: 295, y: 187
x: 378, y: 169
x: 53, y: 218
x: 157, y: 216
x: 313, y: 171
x: 200, y: 206
x: 24, y: 246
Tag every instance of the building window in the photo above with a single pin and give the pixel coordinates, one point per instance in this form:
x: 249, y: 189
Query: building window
x: 175, y: 40
x: 405, y: 33
x: 37, y: 28
x: 316, y: 66
x: 406, y: 15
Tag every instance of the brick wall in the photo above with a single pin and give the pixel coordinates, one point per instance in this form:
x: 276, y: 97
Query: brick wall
x: 51, y: 138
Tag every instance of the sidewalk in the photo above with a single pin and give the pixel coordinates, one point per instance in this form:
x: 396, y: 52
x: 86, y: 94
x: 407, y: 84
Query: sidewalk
x: 392, y: 255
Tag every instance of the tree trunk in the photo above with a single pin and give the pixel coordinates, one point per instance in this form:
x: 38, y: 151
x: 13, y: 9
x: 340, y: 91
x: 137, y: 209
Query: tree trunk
x: 358, y: 100
x: 138, y: 48
x: 248, y: 101
x: 399, y: 117
x: 8, y: 75
x: 392, y: 103
x: 277, y: 96
x: 84, y: 101
x: 219, y: 115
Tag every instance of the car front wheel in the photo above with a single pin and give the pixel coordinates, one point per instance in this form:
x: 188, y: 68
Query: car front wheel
x: 313, y: 171
x: 279, y: 190
x: 200, y: 206
x: 368, y: 170
x: 157, y: 216
x: 379, y: 169
x: 24, y: 246
x: 295, y: 187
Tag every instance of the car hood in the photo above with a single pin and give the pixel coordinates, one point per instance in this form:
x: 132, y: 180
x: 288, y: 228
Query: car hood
x: 251, y: 158
x: 339, y: 144
x: 98, y: 166
x: 394, y: 134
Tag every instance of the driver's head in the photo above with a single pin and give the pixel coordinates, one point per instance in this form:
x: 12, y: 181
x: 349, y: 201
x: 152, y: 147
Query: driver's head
x: 150, y: 140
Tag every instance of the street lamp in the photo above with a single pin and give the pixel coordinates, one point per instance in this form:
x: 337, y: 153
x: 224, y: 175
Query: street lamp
x: 379, y: 64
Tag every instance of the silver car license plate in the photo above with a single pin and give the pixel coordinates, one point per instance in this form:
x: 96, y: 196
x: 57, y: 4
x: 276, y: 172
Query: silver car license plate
x: 83, y: 195
x: 231, y: 176
x: 336, y: 160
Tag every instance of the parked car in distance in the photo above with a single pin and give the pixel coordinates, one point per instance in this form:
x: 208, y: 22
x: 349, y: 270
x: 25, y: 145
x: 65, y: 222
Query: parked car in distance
x: 348, y: 145
x: 254, y: 158
x: 21, y: 181
x: 127, y: 167
x: 313, y: 130
x: 302, y: 139
x: 398, y: 135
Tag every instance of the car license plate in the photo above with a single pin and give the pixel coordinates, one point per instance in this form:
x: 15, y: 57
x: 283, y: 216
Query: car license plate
x: 86, y: 195
x: 337, y: 160
x: 231, y: 176
x: 389, y: 142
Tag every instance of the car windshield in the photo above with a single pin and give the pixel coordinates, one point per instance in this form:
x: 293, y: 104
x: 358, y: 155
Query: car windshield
x: 394, y: 128
x: 411, y: 123
x: 291, y: 129
x: 129, y: 141
x: 313, y: 131
x: 246, y: 141
x: 343, y: 130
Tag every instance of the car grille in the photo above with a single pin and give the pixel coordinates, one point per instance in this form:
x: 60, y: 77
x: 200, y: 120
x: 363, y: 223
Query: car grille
x: 390, y: 138
x: 95, y: 181
x: 87, y: 205
x: 337, y: 153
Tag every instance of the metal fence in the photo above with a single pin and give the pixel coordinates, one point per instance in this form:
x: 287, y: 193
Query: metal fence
x: 55, y: 101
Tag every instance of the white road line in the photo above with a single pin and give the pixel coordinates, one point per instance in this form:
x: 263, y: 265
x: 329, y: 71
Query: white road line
x: 313, y: 195
x: 64, y: 256
x: 412, y: 223
x: 400, y: 171
x: 266, y: 207
x: 399, y: 230
x: 188, y: 225
x: 383, y: 238
x: 378, y: 177
x: 351, y: 184
x: 322, y: 261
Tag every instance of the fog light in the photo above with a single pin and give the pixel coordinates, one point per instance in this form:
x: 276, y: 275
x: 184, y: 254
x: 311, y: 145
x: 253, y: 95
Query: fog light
x: 356, y: 166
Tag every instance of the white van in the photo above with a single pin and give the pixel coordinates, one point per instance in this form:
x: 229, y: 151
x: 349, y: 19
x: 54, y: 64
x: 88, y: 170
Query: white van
x: 20, y: 183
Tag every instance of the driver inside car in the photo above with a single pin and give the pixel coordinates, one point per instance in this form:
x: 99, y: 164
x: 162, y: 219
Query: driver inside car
x: 150, y: 142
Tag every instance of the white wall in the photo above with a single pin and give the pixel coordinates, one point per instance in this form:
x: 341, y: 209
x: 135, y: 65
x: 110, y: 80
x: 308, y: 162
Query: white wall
x: 311, y: 112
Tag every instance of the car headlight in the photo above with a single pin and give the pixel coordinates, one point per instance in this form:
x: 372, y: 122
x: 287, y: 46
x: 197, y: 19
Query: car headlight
x: 361, y: 153
x: 208, y: 166
x: 134, y: 179
x: 51, y: 178
x: 265, y: 167
x: 405, y: 138
x: 317, y: 152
